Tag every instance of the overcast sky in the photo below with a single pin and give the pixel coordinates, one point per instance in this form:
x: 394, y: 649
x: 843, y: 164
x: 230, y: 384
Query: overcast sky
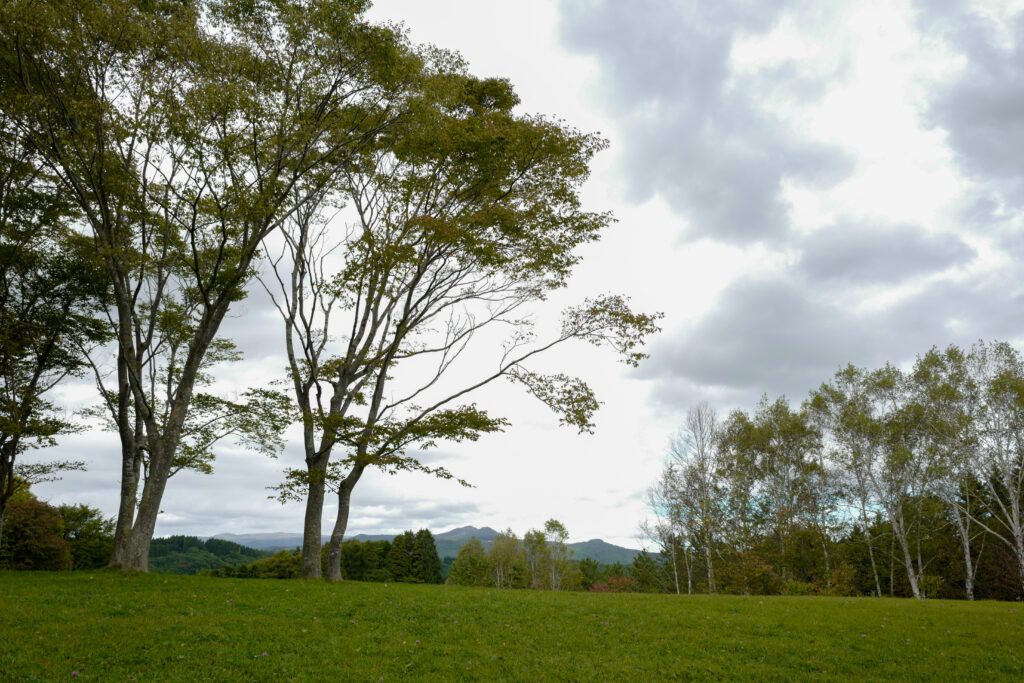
x: 798, y: 186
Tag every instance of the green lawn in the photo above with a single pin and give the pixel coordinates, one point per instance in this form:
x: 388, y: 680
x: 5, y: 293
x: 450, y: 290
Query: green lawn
x: 111, y: 627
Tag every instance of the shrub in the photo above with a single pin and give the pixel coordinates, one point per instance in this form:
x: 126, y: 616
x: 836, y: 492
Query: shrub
x: 33, y: 537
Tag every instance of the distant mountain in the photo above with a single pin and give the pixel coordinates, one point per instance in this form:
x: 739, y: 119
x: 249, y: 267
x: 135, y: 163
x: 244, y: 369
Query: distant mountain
x: 603, y: 552
x: 274, y: 541
x: 464, y: 533
x: 448, y: 543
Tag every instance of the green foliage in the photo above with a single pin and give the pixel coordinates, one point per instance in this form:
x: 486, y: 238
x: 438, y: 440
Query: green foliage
x: 400, y: 561
x: 508, y: 561
x: 426, y: 565
x: 34, y: 537
x: 52, y: 290
x: 199, y: 628
x: 365, y: 560
x: 89, y: 534
x: 191, y: 555
x: 472, y: 567
x: 281, y: 565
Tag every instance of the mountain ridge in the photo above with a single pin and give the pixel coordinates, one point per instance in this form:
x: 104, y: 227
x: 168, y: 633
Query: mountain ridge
x: 448, y: 543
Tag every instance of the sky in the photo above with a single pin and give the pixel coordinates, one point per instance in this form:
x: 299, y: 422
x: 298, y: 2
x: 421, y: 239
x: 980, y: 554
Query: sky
x: 797, y: 185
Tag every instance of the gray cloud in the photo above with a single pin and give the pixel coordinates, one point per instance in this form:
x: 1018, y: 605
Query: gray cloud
x: 776, y: 335
x: 982, y: 110
x: 694, y: 133
x: 873, y: 254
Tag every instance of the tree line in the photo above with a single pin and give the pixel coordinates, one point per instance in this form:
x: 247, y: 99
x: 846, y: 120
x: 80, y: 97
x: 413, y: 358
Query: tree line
x: 882, y: 482
x: 540, y: 560
x: 159, y: 161
x: 409, y: 558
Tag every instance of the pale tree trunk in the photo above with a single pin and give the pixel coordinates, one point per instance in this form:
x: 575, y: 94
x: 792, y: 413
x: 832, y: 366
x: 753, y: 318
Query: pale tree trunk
x: 675, y: 568
x: 828, y: 570
x: 341, y: 523
x: 689, y: 571
x: 964, y: 532
x: 908, y: 561
x: 892, y: 566
x: 871, y: 550
x: 711, y: 569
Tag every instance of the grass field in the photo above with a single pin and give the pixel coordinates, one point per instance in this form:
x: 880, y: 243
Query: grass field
x: 111, y: 627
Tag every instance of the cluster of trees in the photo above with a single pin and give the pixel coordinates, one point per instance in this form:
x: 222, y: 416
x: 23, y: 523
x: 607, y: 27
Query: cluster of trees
x: 539, y: 560
x: 887, y: 481
x: 409, y: 558
x: 42, y: 536
x: 158, y: 159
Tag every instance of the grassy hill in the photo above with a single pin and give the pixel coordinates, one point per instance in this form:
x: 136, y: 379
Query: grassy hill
x: 183, y: 628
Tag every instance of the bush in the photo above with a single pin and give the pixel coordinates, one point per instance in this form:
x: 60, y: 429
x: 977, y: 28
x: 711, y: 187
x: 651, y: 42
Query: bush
x: 282, y: 565
x: 33, y: 537
x: 615, y: 584
x: 89, y: 534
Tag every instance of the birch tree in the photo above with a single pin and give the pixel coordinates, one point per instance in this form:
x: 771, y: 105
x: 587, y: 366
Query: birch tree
x: 877, y: 427
x: 696, y: 490
x: 999, y: 370
x: 951, y: 399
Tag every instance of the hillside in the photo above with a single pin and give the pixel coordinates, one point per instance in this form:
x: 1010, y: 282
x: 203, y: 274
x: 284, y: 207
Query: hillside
x: 59, y: 626
x: 448, y: 543
x: 189, y: 554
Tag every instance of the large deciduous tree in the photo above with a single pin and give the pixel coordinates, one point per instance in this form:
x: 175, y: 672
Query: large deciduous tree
x: 51, y: 292
x: 183, y: 132
x: 464, y: 215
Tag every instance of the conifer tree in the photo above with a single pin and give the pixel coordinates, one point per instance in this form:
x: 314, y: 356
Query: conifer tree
x: 426, y: 564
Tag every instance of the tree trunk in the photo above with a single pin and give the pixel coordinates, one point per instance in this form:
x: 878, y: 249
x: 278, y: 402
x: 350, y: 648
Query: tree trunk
x: 126, y: 510
x: 675, y: 568
x: 312, y: 525
x: 871, y: 550
x: 341, y: 523
x: 136, y: 557
x: 689, y: 571
x: 908, y: 561
x: 711, y: 570
x: 828, y: 570
x: 6, y: 479
x: 963, y: 530
x: 129, y: 460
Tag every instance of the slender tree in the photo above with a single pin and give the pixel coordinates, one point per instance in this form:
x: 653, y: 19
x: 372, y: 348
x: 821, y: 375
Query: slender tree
x: 696, y: 484
x: 463, y: 216
x: 999, y: 369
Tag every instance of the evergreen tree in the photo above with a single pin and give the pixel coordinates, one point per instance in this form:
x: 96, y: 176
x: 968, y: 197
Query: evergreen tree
x: 426, y: 565
x: 399, y: 558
